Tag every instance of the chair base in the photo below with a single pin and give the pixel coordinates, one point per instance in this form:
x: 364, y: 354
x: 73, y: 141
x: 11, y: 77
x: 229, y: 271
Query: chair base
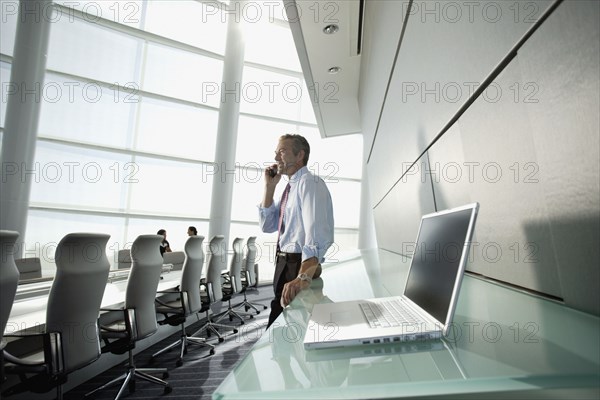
x: 183, y: 342
x: 128, y: 379
x: 231, y: 313
x: 249, y: 305
x: 211, y: 327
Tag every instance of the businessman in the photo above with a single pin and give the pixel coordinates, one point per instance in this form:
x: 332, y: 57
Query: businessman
x: 303, y: 218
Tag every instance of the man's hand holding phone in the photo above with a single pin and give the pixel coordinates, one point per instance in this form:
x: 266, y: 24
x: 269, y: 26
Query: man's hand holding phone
x: 271, y: 175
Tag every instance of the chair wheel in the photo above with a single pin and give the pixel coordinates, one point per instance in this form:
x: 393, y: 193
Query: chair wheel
x: 165, y: 375
x: 230, y: 318
x: 251, y: 316
x: 131, y: 386
x: 179, y: 363
x: 212, y: 352
x: 221, y: 340
x: 235, y: 331
x: 241, y: 323
x: 258, y: 312
x: 246, y: 309
x: 168, y: 389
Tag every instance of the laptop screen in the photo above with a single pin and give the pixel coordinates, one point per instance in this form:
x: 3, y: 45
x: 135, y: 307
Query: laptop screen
x: 436, y: 262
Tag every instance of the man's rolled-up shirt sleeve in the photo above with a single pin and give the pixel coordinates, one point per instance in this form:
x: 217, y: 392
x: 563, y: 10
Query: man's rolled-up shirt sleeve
x: 317, y: 218
x: 268, y: 218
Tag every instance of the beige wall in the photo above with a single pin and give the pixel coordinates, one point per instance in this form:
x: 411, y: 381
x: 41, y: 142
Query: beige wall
x: 527, y: 151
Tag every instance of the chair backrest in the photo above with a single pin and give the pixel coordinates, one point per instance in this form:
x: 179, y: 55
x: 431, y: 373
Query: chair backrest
x: 29, y: 268
x: 176, y: 258
x: 250, y: 259
x: 124, y: 259
x: 217, y: 262
x: 9, y: 277
x: 146, y: 267
x: 192, y: 272
x: 235, y: 265
x: 76, y: 295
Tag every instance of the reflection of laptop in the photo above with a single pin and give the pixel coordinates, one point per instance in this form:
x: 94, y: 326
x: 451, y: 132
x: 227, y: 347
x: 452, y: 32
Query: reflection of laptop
x: 426, y: 308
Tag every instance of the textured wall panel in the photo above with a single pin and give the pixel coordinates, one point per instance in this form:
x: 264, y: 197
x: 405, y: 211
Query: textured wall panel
x: 563, y: 60
x: 490, y: 157
x: 397, y: 217
x: 448, y: 48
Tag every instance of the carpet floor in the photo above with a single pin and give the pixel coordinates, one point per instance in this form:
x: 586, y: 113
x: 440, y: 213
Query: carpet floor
x: 201, y: 373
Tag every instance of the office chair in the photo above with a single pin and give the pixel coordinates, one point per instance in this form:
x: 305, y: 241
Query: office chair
x: 9, y: 280
x: 217, y: 262
x: 249, y: 278
x: 187, y: 301
x: 233, y: 282
x: 124, y: 259
x: 29, y: 268
x: 70, y: 339
x: 122, y: 328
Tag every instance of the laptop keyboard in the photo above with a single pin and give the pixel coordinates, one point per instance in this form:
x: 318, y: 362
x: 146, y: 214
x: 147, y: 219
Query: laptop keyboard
x: 387, y: 313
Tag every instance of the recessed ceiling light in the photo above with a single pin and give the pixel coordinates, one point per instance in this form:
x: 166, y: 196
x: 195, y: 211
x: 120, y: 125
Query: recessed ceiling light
x: 334, y: 70
x: 331, y: 29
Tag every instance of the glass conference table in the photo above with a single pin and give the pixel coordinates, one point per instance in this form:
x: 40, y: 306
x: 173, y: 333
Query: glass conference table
x: 503, y: 342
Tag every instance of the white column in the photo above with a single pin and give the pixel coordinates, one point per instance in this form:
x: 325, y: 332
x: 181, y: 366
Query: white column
x: 220, y: 209
x: 22, y: 112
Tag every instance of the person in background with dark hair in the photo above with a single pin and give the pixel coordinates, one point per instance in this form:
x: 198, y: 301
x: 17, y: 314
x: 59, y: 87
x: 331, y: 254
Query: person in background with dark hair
x: 192, y: 231
x: 303, y: 217
x: 165, y: 247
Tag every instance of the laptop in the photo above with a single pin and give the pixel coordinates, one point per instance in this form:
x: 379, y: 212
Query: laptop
x: 426, y: 308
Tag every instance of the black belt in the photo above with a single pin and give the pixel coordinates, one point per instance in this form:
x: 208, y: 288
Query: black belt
x: 289, y: 256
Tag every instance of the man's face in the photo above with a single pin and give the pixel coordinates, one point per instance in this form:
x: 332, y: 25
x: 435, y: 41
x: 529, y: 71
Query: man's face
x: 288, y: 162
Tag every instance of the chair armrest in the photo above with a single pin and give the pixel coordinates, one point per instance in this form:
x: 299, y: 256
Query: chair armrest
x: 112, y: 309
x: 226, y: 277
x: 163, y: 304
x: 169, y: 291
x: 51, y: 347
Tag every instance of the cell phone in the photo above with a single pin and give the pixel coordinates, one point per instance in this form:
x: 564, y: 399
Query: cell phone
x: 272, y: 172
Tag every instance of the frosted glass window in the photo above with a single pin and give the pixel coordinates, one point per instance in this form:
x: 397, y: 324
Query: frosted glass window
x: 346, y: 203
x: 126, y: 12
x: 257, y: 140
x: 172, y: 188
x: 46, y: 228
x: 307, y: 112
x: 183, y: 75
x: 247, y: 194
x: 8, y: 27
x: 176, y: 230
x: 79, y: 178
x: 332, y: 157
x: 336, y: 156
x: 267, y: 93
x: 281, y: 51
x: 87, y: 112
x: 4, y: 81
x: 200, y: 24
x: 85, y: 49
x: 176, y: 129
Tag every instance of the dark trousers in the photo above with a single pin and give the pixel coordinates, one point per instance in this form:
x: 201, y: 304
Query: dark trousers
x: 287, y: 266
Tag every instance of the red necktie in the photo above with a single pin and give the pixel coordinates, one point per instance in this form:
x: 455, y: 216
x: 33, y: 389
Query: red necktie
x: 280, y: 226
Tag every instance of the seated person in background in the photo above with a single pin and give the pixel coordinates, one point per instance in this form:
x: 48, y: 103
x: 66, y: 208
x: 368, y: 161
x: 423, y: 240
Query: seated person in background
x: 192, y: 231
x: 164, y: 245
